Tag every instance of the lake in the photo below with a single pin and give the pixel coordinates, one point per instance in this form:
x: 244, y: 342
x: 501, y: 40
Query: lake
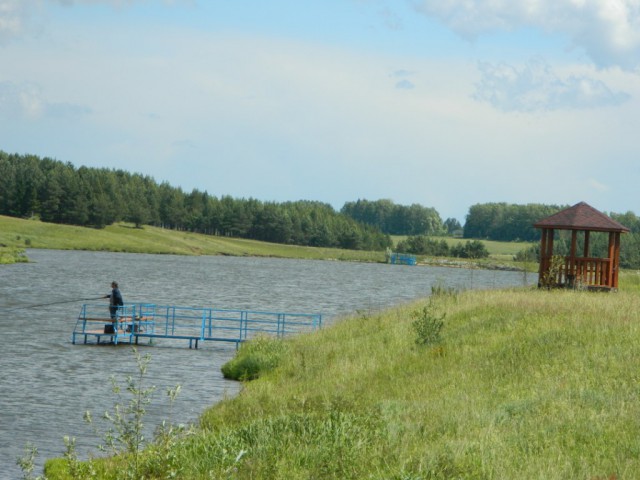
x: 47, y: 383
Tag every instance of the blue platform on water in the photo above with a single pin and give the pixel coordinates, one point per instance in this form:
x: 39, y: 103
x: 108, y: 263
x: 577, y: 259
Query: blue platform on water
x: 140, y: 321
x: 402, y: 259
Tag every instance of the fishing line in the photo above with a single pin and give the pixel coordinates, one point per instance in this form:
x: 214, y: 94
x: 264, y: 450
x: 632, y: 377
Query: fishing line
x: 51, y: 303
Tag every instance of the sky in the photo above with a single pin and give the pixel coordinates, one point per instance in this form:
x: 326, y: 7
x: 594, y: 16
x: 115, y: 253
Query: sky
x: 442, y: 103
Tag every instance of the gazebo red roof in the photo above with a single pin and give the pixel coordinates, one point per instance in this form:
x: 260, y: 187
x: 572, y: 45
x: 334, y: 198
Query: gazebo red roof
x: 581, y: 217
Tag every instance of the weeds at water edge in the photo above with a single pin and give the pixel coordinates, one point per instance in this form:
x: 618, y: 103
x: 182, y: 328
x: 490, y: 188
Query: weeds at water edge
x: 124, y: 440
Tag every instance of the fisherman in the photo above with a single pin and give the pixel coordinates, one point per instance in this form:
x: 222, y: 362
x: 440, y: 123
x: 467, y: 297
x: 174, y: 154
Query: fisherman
x: 115, y: 300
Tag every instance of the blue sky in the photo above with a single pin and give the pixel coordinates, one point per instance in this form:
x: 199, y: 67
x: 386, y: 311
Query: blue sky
x: 441, y: 103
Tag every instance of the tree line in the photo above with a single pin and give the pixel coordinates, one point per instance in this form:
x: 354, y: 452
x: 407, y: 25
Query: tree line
x: 423, y: 245
x: 58, y: 192
x: 396, y: 219
x: 508, y: 222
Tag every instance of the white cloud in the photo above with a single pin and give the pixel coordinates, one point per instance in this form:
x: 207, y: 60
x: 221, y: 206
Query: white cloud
x: 13, y: 17
x: 16, y: 16
x: 607, y: 30
x: 536, y: 87
x: 25, y: 100
x: 21, y: 100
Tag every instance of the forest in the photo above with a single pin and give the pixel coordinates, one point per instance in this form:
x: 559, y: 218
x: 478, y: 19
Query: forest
x: 58, y: 192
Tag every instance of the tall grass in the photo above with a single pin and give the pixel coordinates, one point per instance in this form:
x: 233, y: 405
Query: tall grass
x: 523, y: 383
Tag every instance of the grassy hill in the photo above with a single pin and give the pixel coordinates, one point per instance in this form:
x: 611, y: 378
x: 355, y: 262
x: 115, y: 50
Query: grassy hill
x: 523, y: 383
x: 19, y: 233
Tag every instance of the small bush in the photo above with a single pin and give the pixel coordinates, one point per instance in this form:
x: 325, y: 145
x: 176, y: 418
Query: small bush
x: 472, y: 249
x: 530, y: 254
x: 423, y: 245
x: 550, y: 278
x: 427, y: 324
x: 254, y: 358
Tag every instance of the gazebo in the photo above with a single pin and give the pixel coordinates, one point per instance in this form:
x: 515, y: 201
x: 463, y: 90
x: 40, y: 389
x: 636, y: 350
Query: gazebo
x: 575, y: 270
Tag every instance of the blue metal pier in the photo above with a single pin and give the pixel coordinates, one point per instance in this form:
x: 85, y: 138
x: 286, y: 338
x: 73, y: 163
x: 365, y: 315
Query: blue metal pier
x: 402, y: 259
x: 134, y: 322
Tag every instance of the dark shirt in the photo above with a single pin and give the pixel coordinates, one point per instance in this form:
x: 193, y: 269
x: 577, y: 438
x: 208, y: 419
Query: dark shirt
x: 116, y: 297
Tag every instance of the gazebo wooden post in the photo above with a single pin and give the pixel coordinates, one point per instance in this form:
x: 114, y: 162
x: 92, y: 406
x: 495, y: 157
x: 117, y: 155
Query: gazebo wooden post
x: 570, y: 269
x: 586, y: 243
x: 614, y: 258
x: 546, y: 252
x: 587, y: 267
x: 543, y: 253
x: 611, y: 254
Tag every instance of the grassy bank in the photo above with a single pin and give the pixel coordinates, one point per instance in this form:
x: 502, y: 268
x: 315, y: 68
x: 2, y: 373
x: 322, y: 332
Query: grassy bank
x: 18, y: 234
x: 21, y: 233
x: 523, y: 384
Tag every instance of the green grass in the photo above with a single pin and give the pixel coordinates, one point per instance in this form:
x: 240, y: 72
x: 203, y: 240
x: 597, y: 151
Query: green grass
x: 495, y: 248
x: 125, y: 238
x: 524, y: 383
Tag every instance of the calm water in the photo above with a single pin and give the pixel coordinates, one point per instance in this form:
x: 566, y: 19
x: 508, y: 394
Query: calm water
x: 46, y: 383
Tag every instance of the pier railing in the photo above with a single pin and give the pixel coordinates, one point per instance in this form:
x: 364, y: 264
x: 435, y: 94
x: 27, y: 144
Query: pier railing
x: 133, y: 322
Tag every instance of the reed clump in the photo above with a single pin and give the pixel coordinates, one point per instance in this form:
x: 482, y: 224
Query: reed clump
x: 522, y: 383
x: 254, y: 358
x: 9, y: 255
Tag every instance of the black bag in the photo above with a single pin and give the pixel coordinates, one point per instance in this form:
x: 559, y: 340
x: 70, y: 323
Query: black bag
x: 108, y: 328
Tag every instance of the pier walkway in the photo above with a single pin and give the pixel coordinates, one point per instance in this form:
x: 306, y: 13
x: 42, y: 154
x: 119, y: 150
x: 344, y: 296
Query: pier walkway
x: 140, y: 321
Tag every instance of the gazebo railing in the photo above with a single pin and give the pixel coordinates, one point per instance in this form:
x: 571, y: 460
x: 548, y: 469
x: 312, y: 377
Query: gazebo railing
x: 585, y: 271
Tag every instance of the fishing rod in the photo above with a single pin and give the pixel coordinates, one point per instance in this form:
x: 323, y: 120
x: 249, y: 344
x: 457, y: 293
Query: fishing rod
x: 53, y: 303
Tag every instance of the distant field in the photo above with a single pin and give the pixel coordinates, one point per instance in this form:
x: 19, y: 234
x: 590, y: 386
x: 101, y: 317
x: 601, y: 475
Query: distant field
x: 495, y: 248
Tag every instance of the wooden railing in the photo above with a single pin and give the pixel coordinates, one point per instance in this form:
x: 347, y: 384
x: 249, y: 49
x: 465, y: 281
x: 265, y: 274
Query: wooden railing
x: 585, y: 271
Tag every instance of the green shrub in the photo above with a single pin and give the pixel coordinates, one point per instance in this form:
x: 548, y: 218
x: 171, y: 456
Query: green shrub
x: 472, y: 249
x: 427, y: 324
x: 12, y: 255
x: 550, y: 278
x: 254, y: 358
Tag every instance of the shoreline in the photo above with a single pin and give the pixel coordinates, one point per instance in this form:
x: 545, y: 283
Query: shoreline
x: 18, y: 235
